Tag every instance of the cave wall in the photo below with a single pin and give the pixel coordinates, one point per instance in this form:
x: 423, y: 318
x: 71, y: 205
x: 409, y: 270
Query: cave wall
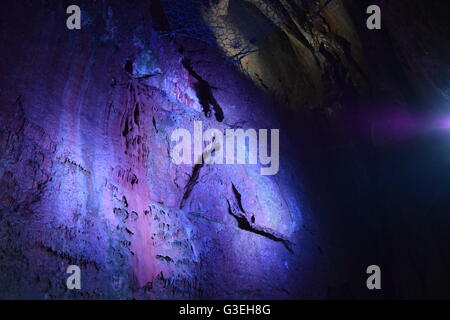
x: 87, y: 179
x: 86, y: 175
x: 305, y: 53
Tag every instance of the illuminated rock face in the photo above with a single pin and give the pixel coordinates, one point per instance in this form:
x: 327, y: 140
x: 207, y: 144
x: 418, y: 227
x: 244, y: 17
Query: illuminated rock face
x: 86, y: 176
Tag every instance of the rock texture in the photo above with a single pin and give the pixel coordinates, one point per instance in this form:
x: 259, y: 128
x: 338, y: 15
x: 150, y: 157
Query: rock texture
x: 86, y: 176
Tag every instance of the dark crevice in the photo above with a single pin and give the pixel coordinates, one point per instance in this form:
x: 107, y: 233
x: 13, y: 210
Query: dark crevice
x: 347, y: 48
x: 134, y: 180
x: 154, y: 124
x: 129, y: 66
x: 136, y: 114
x: 193, y: 180
x: 80, y: 261
x: 191, y: 183
x: 336, y: 74
x: 204, y: 93
x: 159, y: 18
x: 238, y: 197
x: 164, y: 258
x: 246, y: 225
x: 126, y: 129
x: 320, y: 10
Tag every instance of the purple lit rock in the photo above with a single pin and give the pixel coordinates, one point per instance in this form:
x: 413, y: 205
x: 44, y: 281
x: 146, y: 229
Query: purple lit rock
x: 86, y: 176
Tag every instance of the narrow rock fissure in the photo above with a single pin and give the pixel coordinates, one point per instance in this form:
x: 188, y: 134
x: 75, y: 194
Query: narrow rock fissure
x: 191, y: 183
x: 204, y: 93
x: 245, y: 224
x: 238, y: 197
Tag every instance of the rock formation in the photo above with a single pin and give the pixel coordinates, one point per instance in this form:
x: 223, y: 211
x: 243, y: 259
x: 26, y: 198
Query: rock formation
x: 86, y: 176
